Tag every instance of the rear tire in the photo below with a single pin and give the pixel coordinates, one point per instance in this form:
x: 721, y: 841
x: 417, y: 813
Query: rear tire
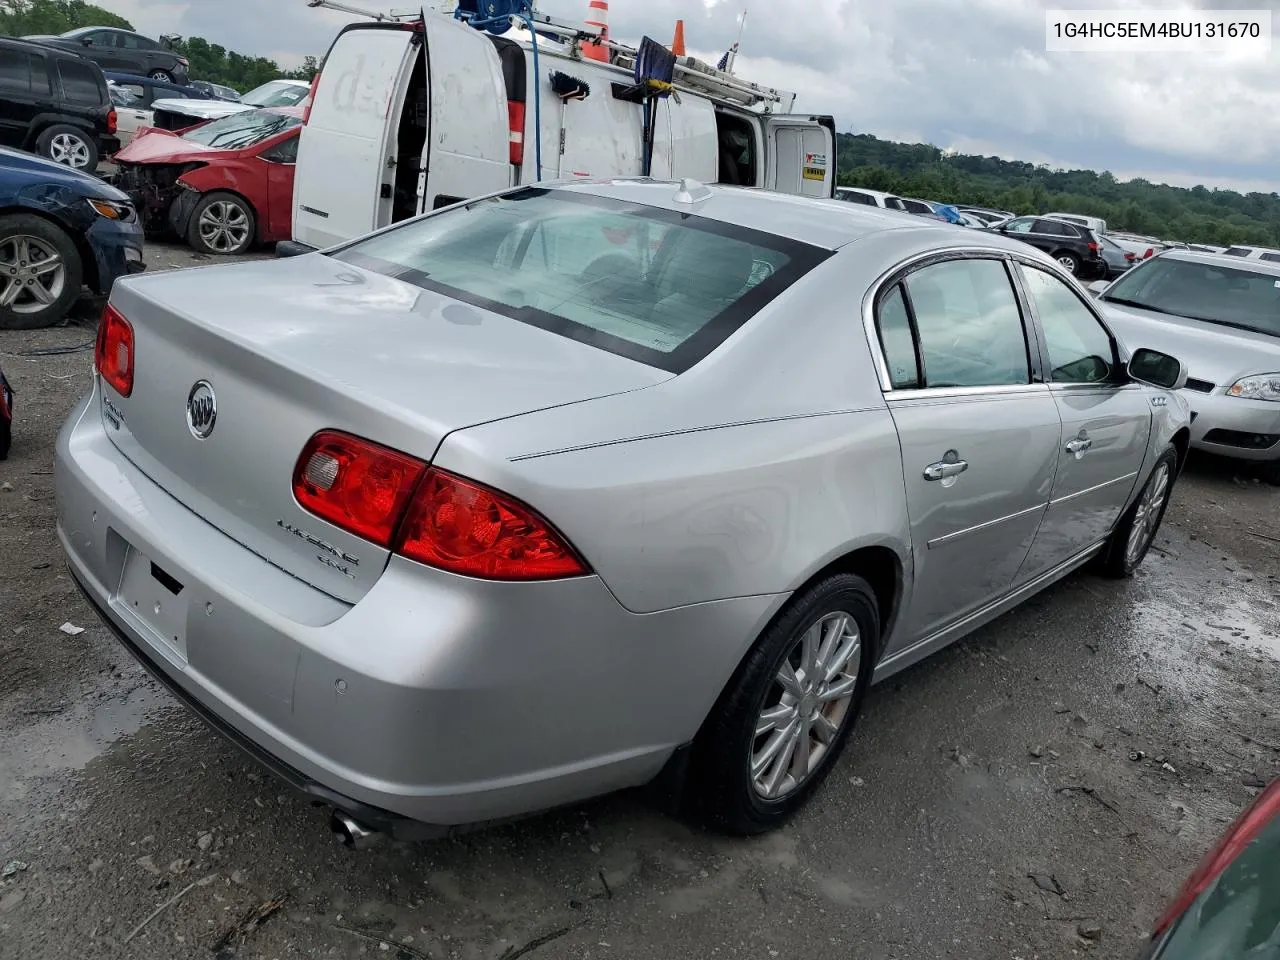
x: 222, y: 225
x: 736, y: 785
x: 40, y: 272
x: 164, y: 76
x: 1070, y: 261
x: 69, y: 146
x: 1133, y: 536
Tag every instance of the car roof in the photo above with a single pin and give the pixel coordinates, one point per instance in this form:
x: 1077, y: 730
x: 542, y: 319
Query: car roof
x: 829, y: 224
x: 870, y: 193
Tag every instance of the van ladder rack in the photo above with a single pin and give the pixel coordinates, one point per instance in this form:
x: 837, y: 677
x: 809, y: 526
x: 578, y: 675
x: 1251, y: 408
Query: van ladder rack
x: 691, y: 75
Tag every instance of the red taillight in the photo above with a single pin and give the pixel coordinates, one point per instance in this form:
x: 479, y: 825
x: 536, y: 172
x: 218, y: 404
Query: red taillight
x: 426, y: 514
x: 1148, y: 253
x: 469, y: 529
x: 112, y: 120
x: 1244, y: 831
x: 515, y: 116
x: 1130, y: 257
x: 113, y: 352
x: 354, y: 484
x: 184, y: 61
x: 1094, y: 246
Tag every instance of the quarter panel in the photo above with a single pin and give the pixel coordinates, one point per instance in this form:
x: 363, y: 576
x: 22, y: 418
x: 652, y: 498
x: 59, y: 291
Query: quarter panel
x: 713, y: 514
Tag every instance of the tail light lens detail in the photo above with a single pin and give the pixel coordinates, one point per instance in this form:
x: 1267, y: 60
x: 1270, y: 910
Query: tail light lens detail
x: 427, y: 515
x: 113, y: 351
x: 113, y: 121
x: 359, y: 486
x: 469, y: 529
x: 515, y: 119
x: 1095, y: 246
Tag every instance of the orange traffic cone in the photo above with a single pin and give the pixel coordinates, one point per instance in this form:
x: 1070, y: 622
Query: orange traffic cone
x: 677, y: 45
x: 597, y: 19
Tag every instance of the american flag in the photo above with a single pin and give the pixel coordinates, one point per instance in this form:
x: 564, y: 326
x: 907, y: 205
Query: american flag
x: 724, y: 61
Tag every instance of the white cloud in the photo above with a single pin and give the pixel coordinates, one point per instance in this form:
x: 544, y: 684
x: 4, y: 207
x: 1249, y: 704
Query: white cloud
x: 936, y: 70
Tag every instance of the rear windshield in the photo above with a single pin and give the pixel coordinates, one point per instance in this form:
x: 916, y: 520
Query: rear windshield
x: 1231, y: 296
x: 657, y: 286
x: 277, y: 93
x: 242, y: 130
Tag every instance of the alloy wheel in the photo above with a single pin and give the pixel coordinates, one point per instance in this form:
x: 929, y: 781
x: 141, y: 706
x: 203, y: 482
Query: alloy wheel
x: 808, y: 703
x: 69, y: 150
x: 32, y: 274
x: 224, y: 227
x: 1068, y: 262
x: 1147, y: 518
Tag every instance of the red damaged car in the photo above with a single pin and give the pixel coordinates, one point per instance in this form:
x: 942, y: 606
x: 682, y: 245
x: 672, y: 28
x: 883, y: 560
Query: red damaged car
x: 224, y: 186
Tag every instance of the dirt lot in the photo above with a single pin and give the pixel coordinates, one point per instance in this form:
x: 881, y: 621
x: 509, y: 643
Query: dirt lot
x: 1049, y: 777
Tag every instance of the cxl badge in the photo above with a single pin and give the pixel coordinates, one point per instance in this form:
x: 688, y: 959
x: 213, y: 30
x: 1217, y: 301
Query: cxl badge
x: 202, y: 409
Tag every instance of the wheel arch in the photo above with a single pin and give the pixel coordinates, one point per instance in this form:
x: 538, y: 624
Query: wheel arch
x: 1181, y: 441
x: 88, y: 262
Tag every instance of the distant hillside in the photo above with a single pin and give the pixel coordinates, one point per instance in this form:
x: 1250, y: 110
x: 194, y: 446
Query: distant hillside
x: 1196, y: 215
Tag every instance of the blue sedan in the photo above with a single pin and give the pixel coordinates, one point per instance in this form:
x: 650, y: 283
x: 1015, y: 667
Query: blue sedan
x: 60, y: 231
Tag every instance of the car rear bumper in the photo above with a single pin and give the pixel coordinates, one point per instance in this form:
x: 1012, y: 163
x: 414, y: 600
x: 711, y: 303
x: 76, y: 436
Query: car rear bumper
x: 1231, y: 427
x: 436, y: 698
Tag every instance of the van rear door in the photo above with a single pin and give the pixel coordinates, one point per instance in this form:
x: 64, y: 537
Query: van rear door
x: 346, y: 157
x: 800, y: 155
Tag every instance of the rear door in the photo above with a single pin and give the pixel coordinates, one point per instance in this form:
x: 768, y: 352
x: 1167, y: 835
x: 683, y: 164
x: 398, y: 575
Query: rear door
x: 800, y: 156
x: 24, y: 93
x: 346, y: 157
x: 467, y: 151
x: 1106, y: 423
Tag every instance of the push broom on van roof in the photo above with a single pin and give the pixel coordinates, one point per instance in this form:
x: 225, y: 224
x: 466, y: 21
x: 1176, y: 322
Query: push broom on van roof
x: 416, y: 111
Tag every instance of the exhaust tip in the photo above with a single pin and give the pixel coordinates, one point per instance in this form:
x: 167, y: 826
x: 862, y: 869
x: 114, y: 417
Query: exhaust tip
x: 351, y: 832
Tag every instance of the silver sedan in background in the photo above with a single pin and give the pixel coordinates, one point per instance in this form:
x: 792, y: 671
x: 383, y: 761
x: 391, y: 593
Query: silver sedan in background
x: 581, y: 487
x: 1221, y: 314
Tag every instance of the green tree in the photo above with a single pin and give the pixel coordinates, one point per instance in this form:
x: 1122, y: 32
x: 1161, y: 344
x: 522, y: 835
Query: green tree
x: 1197, y: 215
x: 22, y: 17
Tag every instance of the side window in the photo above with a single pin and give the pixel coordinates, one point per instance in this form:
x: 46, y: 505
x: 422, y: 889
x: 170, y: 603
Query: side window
x: 15, y: 72
x: 1048, y: 228
x: 969, y: 324
x: 101, y: 38
x: 79, y: 83
x: 134, y: 90
x: 131, y: 41
x: 40, y: 85
x: 897, y: 341
x: 1019, y: 226
x: 1080, y: 349
x: 893, y: 203
x: 286, y: 152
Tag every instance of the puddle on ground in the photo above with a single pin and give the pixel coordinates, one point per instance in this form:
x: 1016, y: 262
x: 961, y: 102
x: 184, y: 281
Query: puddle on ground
x: 68, y: 740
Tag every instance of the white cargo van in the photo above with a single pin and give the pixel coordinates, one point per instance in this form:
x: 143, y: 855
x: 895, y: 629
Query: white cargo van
x: 409, y: 116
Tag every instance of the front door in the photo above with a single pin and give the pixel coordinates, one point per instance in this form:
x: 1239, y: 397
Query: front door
x: 24, y: 94
x: 281, y: 160
x: 979, y: 435
x: 1106, y: 424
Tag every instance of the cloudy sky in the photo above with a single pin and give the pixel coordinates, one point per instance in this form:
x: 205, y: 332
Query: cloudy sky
x: 972, y: 75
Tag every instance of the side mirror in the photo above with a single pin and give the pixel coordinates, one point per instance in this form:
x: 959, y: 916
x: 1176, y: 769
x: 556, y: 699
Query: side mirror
x: 1157, y: 369
x: 87, y: 41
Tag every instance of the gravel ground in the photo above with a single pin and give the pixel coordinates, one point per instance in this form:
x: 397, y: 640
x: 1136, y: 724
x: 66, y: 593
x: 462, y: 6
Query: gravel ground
x: 1034, y: 791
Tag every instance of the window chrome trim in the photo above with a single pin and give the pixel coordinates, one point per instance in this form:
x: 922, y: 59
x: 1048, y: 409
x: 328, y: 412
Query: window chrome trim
x: 893, y: 274
x: 960, y: 393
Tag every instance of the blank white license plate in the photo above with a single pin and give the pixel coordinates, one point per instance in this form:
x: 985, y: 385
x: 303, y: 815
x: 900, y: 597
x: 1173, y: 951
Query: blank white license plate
x: 156, y: 600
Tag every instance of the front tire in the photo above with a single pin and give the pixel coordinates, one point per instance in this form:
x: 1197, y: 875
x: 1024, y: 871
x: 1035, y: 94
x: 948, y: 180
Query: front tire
x: 785, y: 717
x: 222, y: 224
x: 69, y: 146
x: 40, y: 272
x: 1136, y: 532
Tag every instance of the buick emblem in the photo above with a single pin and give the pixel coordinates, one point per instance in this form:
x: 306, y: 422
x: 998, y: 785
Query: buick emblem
x: 202, y: 409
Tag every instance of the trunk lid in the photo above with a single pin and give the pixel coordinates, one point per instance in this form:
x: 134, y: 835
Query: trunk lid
x: 290, y: 347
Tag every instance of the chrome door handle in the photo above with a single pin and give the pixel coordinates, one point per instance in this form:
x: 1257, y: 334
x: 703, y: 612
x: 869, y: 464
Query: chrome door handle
x: 1079, y: 446
x: 945, y: 469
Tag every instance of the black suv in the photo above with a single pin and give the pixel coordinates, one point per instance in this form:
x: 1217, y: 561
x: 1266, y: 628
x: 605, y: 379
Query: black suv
x: 123, y: 51
x: 1075, y: 247
x: 55, y: 104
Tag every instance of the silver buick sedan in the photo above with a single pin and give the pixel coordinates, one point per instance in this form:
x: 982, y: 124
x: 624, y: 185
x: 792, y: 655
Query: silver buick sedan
x: 583, y: 487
